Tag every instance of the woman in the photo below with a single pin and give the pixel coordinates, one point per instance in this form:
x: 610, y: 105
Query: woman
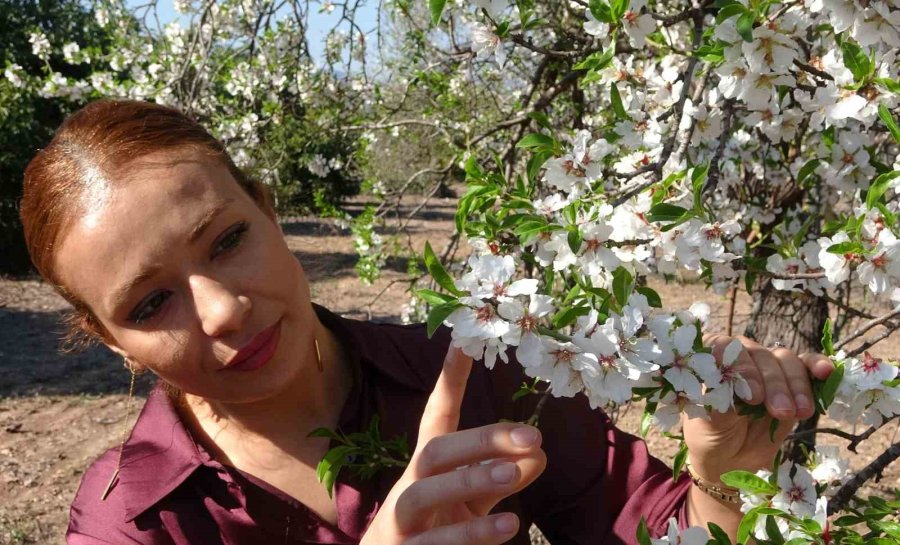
x: 175, y: 261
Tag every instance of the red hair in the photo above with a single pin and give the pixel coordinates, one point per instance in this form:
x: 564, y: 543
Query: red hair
x: 102, y: 138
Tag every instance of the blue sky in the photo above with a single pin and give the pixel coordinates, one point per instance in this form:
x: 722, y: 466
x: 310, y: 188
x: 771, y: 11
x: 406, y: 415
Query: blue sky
x: 320, y: 23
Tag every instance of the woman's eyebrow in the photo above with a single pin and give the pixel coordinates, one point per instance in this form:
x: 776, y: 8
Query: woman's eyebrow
x: 208, y: 218
x: 121, y: 294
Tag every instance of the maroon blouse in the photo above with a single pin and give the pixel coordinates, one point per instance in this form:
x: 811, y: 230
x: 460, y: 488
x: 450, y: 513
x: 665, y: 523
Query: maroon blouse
x: 598, y: 483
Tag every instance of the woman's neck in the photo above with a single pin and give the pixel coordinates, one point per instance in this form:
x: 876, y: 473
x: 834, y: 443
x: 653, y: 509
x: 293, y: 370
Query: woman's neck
x: 279, y: 425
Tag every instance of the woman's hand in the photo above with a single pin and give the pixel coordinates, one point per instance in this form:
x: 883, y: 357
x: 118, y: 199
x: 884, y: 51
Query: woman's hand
x: 455, y: 478
x: 780, y: 379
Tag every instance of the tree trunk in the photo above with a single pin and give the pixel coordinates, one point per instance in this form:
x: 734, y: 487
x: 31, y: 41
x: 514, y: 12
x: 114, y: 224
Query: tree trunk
x: 796, y: 320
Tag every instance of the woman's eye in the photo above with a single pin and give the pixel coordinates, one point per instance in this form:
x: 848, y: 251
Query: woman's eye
x: 149, y: 307
x: 231, y: 239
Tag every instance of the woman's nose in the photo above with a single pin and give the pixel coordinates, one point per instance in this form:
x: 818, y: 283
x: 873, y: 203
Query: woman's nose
x: 219, y: 308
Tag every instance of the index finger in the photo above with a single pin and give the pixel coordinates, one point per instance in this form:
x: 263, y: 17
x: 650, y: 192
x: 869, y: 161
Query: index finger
x: 441, y: 415
x: 819, y: 365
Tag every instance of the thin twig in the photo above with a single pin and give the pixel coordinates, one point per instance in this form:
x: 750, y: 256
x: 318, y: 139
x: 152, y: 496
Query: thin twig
x: 732, y: 300
x: 813, y: 70
x: 881, y: 320
x: 855, y: 439
x: 870, y: 343
x: 846, y: 492
x: 536, y: 415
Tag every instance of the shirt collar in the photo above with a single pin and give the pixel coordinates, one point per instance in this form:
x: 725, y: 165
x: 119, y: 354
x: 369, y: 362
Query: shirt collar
x: 160, y: 453
x: 158, y: 456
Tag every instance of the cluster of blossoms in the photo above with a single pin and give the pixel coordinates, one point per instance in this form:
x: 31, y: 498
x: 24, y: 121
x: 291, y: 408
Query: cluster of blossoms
x: 240, y: 93
x: 605, y: 355
x: 770, y: 150
x: 794, y: 492
x: 869, y: 391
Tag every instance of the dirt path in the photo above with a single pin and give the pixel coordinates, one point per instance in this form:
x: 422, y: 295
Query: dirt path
x: 57, y: 413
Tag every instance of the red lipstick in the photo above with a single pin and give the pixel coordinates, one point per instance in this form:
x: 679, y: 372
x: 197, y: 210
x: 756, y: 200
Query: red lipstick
x: 258, y: 351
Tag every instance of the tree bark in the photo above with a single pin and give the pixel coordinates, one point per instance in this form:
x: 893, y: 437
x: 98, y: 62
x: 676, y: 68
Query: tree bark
x: 795, y: 320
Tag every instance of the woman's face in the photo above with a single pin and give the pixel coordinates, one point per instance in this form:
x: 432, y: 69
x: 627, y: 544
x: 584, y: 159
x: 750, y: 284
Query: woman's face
x: 190, y: 278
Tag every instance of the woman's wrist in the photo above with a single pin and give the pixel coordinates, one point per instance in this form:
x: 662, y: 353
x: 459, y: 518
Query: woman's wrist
x: 714, y: 488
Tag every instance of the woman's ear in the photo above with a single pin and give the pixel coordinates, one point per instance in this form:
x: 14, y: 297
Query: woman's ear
x: 129, y: 363
x: 118, y: 351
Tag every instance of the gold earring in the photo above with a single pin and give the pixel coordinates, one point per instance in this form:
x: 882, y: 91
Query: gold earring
x: 115, y: 476
x: 318, y: 356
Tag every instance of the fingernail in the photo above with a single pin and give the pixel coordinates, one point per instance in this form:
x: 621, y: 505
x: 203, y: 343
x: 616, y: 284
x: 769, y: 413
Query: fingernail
x: 506, y: 524
x: 782, y: 402
x: 524, y: 436
x: 503, y: 473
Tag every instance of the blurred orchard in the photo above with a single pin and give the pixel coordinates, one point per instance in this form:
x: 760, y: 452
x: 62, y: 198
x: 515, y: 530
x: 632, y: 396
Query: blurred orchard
x: 750, y: 145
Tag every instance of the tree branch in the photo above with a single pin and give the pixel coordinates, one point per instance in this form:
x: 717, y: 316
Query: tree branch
x: 855, y: 439
x: 846, y: 492
x: 881, y: 320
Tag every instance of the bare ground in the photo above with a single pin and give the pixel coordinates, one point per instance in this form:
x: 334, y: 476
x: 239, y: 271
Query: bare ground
x: 58, y: 412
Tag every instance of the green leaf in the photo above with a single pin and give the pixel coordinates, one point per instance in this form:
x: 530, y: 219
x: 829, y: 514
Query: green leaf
x: 712, y: 53
x: 680, y: 460
x: 541, y: 119
x: 886, y: 526
x: 617, y: 105
x: 437, y: 271
x: 829, y: 389
x: 568, y: 315
x: 807, y: 170
x: 698, y: 180
x: 330, y: 466
x: 773, y: 532
x: 574, y: 238
x: 596, y: 61
x: 619, y: 8
x: 434, y: 298
x: 745, y: 25
x: 438, y: 314
x: 473, y: 169
x: 622, y: 285
x: 719, y: 537
x: 601, y: 11
x: 536, y: 162
x: 325, y: 432
x: 849, y: 247
x: 880, y: 541
x: 748, y: 482
x: 646, y: 422
x: 888, y: 119
x: 748, y: 523
x: 856, y: 60
x: 665, y: 212
x: 879, y: 187
x: 437, y: 10
x: 730, y: 11
x: 848, y: 520
x: 643, y: 534
x: 828, y: 338
x: 891, y: 85
x: 653, y: 298
x: 828, y: 137
x: 537, y: 142
x: 525, y: 389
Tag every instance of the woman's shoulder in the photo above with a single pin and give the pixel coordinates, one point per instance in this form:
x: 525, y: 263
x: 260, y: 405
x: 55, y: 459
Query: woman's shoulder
x: 98, y: 513
x: 117, y: 498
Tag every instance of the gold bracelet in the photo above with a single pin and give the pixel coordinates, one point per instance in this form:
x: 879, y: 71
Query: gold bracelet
x: 723, y: 493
